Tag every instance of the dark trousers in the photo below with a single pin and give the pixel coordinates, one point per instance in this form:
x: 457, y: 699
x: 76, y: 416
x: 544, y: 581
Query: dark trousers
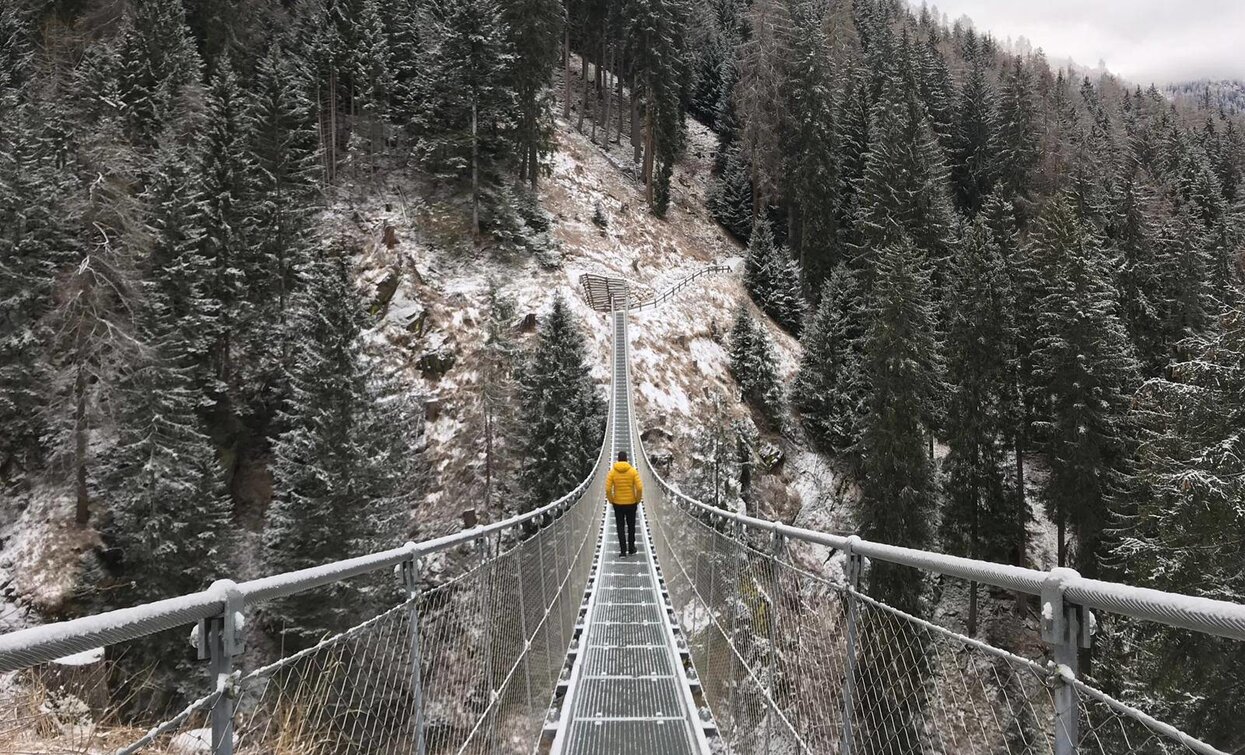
x: 624, y: 521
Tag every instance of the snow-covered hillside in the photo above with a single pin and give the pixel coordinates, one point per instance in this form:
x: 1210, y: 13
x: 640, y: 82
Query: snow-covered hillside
x: 680, y: 361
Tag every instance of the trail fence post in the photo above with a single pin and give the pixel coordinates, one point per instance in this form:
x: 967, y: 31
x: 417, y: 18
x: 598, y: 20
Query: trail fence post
x: 1064, y: 628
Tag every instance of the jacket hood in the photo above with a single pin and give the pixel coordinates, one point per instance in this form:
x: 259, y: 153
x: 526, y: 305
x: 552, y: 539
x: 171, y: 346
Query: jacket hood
x: 621, y: 466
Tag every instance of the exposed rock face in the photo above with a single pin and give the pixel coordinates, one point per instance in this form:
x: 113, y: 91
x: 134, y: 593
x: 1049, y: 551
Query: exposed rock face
x: 387, y: 287
x: 437, y: 360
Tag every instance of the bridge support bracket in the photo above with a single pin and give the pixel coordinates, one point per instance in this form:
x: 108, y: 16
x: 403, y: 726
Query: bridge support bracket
x: 219, y: 641
x: 1066, y: 629
x: 851, y: 572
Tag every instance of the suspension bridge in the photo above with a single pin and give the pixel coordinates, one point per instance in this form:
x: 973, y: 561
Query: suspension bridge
x: 725, y: 633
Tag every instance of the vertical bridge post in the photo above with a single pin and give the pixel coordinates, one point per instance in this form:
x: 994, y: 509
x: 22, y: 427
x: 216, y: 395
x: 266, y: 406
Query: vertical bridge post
x: 219, y: 641
x: 776, y: 549
x: 852, y: 568
x: 409, y: 570
x: 1065, y: 629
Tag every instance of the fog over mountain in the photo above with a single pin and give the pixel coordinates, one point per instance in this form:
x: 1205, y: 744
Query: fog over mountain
x: 1141, y: 40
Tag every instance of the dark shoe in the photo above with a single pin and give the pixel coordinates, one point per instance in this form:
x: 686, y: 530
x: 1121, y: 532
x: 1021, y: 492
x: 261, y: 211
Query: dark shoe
x: 622, y: 554
x: 632, y: 552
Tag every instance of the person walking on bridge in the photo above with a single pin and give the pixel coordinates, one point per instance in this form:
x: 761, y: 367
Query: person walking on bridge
x: 624, y: 491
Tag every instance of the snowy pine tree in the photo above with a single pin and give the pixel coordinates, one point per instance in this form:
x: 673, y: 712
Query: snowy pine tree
x: 1087, y: 370
x: 828, y: 392
x: 343, y: 471
x: 980, y: 519
x: 975, y: 137
x: 282, y: 184
x: 773, y: 279
x: 465, y: 119
x: 900, y: 365
x: 1180, y: 531
x: 563, y: 411
x: 159, y: 59
x: 754, y: 367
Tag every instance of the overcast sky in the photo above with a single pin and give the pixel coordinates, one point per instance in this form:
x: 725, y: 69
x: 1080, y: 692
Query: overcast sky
x: 1141, y: 40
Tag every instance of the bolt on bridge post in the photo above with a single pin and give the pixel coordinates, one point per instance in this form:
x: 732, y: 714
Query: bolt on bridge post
x: 219, y: 641
x: 1066, y: 629
x: 852, y: 573
x: 409, y: 572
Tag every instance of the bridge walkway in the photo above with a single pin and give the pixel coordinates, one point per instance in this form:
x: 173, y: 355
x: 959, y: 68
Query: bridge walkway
x: 630, y: 690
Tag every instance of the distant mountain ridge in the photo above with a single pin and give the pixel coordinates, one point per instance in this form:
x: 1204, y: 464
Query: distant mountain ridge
x: 1228, y: 94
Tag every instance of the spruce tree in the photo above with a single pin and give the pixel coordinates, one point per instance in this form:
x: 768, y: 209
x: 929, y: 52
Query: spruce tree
x: 754, y: 366
x: 903, y: 191
x: 828, y: 392
x: 773, y: 279
x: 1017, y: 134
x: 975, y: 138
x: 937, y: 91
x: 159, y: 59
x: 32, y: 239
x: 283, y: 181
x: 811, y: 183
x: 1135, y: 246
x: 900, y: 366
x: 730, y: 194
x: 372, y: 77
x: 1086, y: 368
x: 898, y: 486
x: 980, y: 519
x: 343, y: 470
x: 563, y: 411
x: 225, y: 172
x: 496, y: 412
x: 465, y: 120
x: 1181, y: 532
x: 535, y: 28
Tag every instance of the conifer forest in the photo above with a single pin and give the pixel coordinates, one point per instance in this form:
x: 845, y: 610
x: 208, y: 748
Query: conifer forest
x: 1011, y: 294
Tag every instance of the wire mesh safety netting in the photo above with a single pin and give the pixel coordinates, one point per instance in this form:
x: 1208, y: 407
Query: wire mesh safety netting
x: 467, y: 665
x: 792, y: 659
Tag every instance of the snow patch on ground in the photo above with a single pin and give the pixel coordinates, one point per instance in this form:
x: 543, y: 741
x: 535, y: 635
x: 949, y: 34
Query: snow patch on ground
x: 41, y: 554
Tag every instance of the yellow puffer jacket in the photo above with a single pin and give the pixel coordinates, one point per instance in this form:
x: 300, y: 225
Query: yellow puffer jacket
x: 623, y: 486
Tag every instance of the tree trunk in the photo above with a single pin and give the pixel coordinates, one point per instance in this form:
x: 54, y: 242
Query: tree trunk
x: 618, y: 93
x: 637, y: 144
x: 1022, y: 518
x: 488, y: 459
x: 1062, y: 539
x: 566, y: 75
x: 82, y: 511
x: 648, y: 155
x: 475, y: 173
x: 605, y: 121
x: 583, y: 108
x: 333, y: 125
x: 533, y: 167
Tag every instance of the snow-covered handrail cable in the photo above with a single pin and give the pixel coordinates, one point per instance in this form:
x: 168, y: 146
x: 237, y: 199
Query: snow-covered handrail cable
x: 41, y: 644
x: 1217, y: 617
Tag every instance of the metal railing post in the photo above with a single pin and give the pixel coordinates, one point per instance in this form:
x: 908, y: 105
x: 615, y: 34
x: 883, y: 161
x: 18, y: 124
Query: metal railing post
x: 852, y: 568
x: 219, y: 641
x: 490, y: 630
x: 527, y: 641
x: 775, y: 552
x: 410, y: 581
x: 1064, y: 628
